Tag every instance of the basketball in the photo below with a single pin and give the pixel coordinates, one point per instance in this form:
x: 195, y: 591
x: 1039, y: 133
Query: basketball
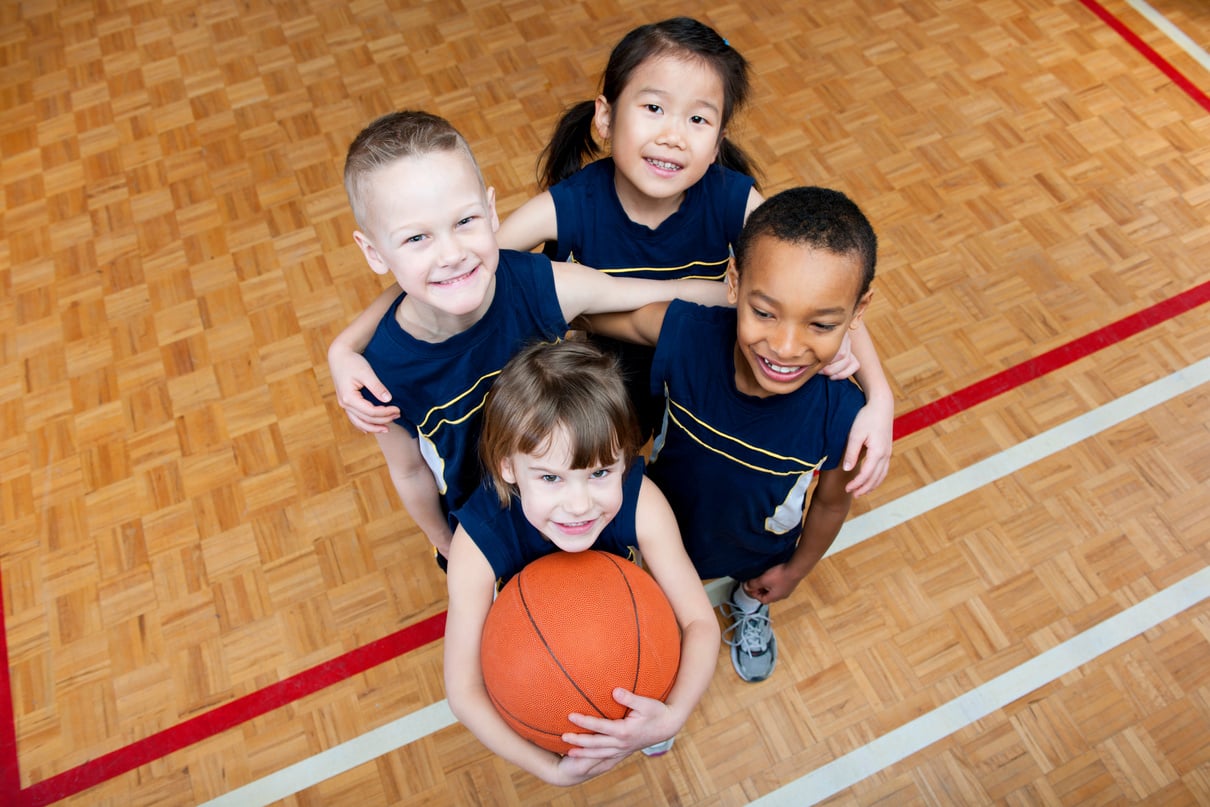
x: 567, y: 630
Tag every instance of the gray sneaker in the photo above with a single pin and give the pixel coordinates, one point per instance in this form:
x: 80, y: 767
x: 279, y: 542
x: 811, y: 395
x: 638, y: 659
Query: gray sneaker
x: 659, y: 749
x: 753, y: 647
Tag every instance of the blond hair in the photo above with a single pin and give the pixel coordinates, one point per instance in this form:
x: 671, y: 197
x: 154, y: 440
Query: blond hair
x: 406, y: 133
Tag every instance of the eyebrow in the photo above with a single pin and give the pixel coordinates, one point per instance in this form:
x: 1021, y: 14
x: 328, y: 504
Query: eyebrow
x: 833, y: 311
x: 665, y: 93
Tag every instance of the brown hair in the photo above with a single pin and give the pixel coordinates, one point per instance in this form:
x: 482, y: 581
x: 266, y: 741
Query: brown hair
x: 406, y: 133
x: 573, y: 385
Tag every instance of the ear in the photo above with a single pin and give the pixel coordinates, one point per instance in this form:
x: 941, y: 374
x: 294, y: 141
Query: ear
x: 493, y: 217
x: 732, y: 281
x: 373, y: 258
x: 602, y: 117
x: 506, y: 471
x: 859, y: 312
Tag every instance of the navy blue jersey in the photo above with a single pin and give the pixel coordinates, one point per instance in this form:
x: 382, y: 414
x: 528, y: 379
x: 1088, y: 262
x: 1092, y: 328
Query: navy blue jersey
x: 440, y: 387
x: 509, y: 542
x: 736, y: 468
x: 695, y: 241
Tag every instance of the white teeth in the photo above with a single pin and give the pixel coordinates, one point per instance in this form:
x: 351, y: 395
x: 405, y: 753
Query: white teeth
x: 777, y: 368
x: 666, y: 166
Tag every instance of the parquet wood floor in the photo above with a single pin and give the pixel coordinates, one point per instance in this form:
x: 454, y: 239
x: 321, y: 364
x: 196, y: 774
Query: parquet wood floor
x: 186, y: 516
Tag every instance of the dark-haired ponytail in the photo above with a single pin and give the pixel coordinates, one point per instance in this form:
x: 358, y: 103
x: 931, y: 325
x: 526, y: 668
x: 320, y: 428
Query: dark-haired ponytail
x: 733, y: 157
x: 570, y: 146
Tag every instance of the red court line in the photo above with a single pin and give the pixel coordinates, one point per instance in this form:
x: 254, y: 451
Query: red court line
x: 255, y: 704
x: 10, y: 772
x: 1050, y: 361
x: 1142, y: 47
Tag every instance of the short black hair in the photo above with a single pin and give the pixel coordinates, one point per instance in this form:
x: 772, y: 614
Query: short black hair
x: 816, y: 217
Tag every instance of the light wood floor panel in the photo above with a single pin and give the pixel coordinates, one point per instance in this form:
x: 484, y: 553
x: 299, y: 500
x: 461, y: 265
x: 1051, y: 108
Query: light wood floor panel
x: 186, y: 517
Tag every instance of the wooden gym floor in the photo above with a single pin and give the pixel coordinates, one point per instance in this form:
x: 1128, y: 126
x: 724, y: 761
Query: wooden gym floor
x: 211, y: 592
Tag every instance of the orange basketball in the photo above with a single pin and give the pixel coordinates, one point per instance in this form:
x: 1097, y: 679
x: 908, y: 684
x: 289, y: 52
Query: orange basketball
x: 567, y: 630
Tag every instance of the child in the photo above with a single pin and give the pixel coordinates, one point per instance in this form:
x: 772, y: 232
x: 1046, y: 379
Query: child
x: 559, y: 437
x: 427, y: 218
x: 748, y: 417
x: 669, y: 202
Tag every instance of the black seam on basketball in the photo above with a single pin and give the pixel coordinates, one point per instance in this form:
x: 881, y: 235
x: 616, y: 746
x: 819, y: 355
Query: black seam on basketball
x: 549, y: 652
x: 500, y: 707
x: 634, y: 609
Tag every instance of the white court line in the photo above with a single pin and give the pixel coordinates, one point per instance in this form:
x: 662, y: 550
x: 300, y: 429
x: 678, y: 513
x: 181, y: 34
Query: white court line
x: 1172, y: 32
x: 369, y: 746
x: 895, y: 745
x: 1011, y: 460
x: 339, y: 758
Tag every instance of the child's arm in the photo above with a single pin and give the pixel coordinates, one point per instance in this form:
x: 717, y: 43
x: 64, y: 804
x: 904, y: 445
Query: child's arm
x: 583, y: 290
x: 641, y: 327
x: 874, y: 424
x: 415, y: 485
x: 825, y: 514
x: 649, y: 720
x: 471, y: 583
x: 530, y: 225
x: 351, y: 372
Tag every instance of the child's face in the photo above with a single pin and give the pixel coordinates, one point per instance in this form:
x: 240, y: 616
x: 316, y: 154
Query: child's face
x: 665, y: 126
x: 430, y: 223
x: 794, y: 304
x: 568, y: 506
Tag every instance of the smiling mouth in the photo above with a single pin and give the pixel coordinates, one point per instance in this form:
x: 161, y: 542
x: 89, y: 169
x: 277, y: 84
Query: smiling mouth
x: 781, y: 371
x: 454, y: 281
x: 663, y: 165
x: 576, y: 527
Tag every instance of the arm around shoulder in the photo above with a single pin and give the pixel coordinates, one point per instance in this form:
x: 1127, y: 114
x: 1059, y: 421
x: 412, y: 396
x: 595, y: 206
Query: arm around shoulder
x: 583, y: 290
x: 641, y: 327
x: 530, y: 225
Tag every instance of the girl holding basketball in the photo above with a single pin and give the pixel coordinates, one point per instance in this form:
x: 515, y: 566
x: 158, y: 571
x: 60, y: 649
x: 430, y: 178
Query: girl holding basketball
x: 559, y: 446
x: 667, y: 203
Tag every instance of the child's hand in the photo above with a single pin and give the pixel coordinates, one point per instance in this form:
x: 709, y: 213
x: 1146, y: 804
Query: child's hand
x: 844, y: 363
x: 575, y: 770
x: 872, y: 428
x: 777, y: 583
x: 350, y: 374
x: 648, y: 722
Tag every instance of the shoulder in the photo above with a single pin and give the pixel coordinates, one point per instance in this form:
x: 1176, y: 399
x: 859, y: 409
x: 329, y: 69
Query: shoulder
x: 591, y: 175
x: 695, y: 315
x: 525, y: 269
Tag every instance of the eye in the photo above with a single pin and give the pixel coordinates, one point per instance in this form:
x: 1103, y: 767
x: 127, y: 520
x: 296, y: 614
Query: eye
x: 549, y: 478
x: 698, y: 119
x: 654, y: 109
x: 465, y: 221
x: 415, y: 239
x: 824, y: 327
x: 759, y: 314
x: 600, y: 473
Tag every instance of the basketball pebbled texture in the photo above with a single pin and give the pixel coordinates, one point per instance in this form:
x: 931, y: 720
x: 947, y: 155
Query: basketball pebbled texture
x: 568, y: 629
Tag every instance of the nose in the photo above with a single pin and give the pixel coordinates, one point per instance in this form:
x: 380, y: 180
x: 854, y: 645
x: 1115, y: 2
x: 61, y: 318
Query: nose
x: 672, y: 133
x: 786, y: 341
x: 450, y: 250
x: 576, y: 499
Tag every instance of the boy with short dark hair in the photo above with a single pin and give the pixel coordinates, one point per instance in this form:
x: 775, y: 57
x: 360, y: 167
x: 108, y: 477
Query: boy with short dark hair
x: 748, y: 419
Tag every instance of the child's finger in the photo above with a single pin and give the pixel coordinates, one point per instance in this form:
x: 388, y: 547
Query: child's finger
x: 375, y: 388
x: 852, y: 451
